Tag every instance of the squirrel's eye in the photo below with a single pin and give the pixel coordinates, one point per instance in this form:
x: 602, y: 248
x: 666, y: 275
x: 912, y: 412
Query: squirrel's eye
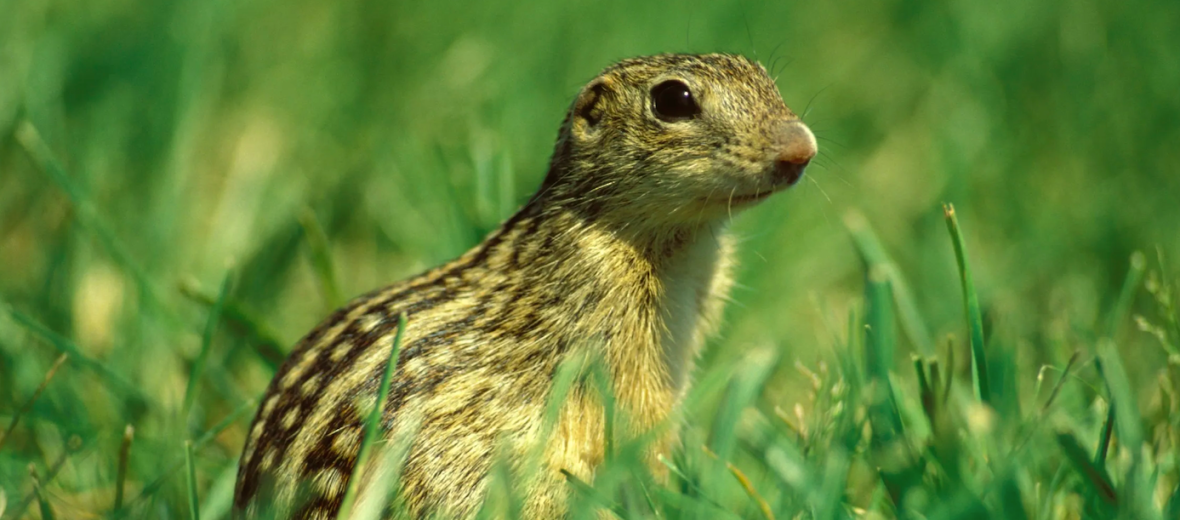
x: 672, y: 101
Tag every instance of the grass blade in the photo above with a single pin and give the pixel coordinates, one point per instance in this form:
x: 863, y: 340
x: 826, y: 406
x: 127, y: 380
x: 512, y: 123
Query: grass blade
x: 698, y: 494
x: 1122, y: 397
x: 321, y: 257
x: 926, y: 390
x: 1044, y: 411
x: 586, y: 490
x: 121, y: 474
x: 46, y: 510
x: 502, y: 499
x: 971, y: 306
x: 1136, y: 487
x: 191, y: 479
x: 1073, y: 359
x: 373, y: 422
x: 1122, y: 307
x: 1045, y: 504
x: 828, y: 499
x: 1172, y: 507
x: 744, y: 481
x: 950, y: 368
x: 258, y: 334
x: 1010, y: 501
x: 30, y: 139
x: 194, y: 376
x: 880, y: 338
x: 1095, y: 477
x: 744, y: 387
x: 74, y: 445
x: 108, y: 376
x: 599, y: 375
x: 391, y: 464
x: 1104, y: 441
x: 874, y: 254
x: 962, y: 506
x: 879, y: 346
x: 149, y: 490
x: 37, y: 393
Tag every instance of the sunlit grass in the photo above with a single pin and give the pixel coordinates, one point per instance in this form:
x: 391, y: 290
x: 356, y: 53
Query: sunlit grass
x: 186, y: 189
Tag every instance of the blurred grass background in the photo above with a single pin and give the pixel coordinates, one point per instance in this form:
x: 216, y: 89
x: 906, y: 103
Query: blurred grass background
x: 321, y: 149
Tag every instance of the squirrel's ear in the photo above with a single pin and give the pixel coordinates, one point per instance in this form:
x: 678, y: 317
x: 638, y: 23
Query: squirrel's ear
x: 588, y: 110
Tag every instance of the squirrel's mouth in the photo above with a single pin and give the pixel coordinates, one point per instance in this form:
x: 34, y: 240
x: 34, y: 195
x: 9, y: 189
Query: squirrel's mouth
x: 750, y: 199
x: 759, y: 196
x: 774, y: 184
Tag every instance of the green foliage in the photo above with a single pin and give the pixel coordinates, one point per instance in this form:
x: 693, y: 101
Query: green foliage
x: 316, y: 150
x: 373, y: 421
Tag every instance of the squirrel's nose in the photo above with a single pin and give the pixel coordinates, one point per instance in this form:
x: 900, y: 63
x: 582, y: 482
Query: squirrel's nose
x: 797, y: 147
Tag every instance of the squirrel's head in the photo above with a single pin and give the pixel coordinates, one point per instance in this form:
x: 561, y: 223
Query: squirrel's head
x: 677, y: 138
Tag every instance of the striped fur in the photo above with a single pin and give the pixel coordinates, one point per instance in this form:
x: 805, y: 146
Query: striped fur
x: 621, y: 254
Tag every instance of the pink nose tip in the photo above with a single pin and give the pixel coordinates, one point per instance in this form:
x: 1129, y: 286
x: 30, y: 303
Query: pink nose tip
x: 798, y: 147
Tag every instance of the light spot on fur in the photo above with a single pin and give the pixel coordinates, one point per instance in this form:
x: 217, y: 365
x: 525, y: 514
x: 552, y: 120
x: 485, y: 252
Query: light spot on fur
x: 330, y: 482
x: 347, y: 441
x: 340, y: 351
x: 293, y: 375
x: 310, y: 357
x: 256, y: 432
x: 290, y: 418
x: 296, y: 372
x: 368, y: 322
x: 268, y: 406
x: 311, y: 385
x: 249, y: 455
x: 362, y: 405
x: 268, y: 460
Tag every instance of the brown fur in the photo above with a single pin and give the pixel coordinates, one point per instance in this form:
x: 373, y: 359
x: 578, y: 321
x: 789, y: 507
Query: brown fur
x: 621, y: 254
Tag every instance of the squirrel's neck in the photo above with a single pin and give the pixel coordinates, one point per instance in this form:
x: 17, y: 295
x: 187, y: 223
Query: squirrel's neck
x: 644, y: 298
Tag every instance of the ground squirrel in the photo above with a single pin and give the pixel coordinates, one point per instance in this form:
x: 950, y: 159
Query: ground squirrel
x: 623, y: 251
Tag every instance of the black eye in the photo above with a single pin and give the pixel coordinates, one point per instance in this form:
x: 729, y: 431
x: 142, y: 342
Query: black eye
x: 672, y: 101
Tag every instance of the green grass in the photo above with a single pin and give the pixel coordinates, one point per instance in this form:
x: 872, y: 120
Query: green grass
x: 373, y: 422
x: 186, y: 188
